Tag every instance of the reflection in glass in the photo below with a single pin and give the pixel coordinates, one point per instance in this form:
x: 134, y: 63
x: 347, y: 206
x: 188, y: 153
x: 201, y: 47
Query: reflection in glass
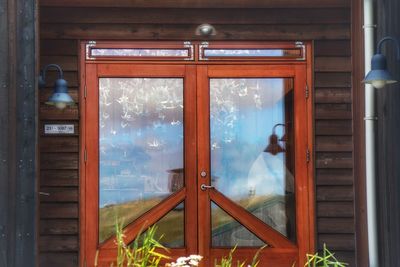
x: 243, y: 116
x: 138, y: 52
x: 210, y: 52
x: 171, y: 228
x: 140, y: 147
x: 227, y: 232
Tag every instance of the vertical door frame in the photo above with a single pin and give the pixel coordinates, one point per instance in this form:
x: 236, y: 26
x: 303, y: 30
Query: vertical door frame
x: 84, y: 199
x: 89, y: 196
x: 305, y: 224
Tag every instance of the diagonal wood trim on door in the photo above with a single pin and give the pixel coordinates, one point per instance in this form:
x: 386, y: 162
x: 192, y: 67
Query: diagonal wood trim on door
x: 255, y: 225
x: 148, y: 219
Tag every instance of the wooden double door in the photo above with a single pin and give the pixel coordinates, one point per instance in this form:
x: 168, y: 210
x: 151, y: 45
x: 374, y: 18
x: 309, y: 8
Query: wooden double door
x: 217, y: 156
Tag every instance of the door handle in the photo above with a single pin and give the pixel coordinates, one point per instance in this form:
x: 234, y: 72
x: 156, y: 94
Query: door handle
x: 205, y: 187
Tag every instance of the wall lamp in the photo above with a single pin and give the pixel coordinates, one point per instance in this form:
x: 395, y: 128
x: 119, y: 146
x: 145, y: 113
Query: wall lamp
x: 205, y: 30
x: 273, y: 146
x: 60, y: 97
x: 379, y: 75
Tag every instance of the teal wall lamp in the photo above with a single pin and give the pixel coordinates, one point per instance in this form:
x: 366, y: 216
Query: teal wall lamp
x: 379, y: 75
x: 60, y: 97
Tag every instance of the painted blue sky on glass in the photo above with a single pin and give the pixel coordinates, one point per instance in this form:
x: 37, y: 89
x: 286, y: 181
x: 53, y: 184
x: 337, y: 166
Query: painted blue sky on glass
x: 243, y: 113
x: 141, y: 137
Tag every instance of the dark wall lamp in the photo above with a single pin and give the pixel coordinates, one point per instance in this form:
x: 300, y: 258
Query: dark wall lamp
x: 273, y: 146
x: 60, y: 97
x: 379, y: 75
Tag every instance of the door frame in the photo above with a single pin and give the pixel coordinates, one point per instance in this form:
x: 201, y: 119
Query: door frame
x: 86, y: 200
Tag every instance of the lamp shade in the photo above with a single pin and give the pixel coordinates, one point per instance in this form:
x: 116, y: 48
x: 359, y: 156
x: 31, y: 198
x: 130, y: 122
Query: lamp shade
x: 60, y: 97
x: 273, y: 145
x: 379, y: 76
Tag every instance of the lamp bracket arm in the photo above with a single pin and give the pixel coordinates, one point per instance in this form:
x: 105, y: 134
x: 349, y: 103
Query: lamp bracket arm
x: 44, y: 71
x: 389, y: 38
x: 276, y: 125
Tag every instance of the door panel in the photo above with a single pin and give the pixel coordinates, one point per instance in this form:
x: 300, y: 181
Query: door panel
x: 251, y: 136
x: 141, y: 147
x: 141, y: 155
x: 215, y: 155
x: 250, y: 120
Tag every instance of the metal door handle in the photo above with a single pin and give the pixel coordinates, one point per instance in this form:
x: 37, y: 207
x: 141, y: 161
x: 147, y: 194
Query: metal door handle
x: 205, y: 187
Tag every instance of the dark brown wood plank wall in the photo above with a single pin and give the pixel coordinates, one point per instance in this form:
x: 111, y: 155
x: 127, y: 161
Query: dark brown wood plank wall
x: 329, y: 27
x: 18, y: 138
x: 388, y: 147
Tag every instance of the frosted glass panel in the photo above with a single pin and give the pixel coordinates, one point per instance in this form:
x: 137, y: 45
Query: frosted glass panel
x: 138, y: 52
x: 252, y: 149
x: 140, y: 146
x: 210, y: 52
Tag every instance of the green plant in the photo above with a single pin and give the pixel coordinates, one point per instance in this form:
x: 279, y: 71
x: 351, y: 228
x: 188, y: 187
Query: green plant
x: 227, y: 261
x: 143, y: 252
x: 327, y: 259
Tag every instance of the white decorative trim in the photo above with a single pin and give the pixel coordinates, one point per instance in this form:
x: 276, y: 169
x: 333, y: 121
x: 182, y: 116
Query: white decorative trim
x: 303, y: 47
x: 88, y: 46
x: 189, y: 45
x: 201, y: 50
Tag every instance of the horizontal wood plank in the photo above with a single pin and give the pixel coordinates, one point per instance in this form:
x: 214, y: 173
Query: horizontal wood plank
x: 336, y: 225
x: 333, y: 111
x: 334, y: 160
x: 187, y: 32
x: 58, y: 243
x: 63, y: 259
x: 333, y: 127
x: 59, y: 211
x: 193, y: 16
x: 348, y: 257
x: 59, y: 227
x: 326, y: 48
x: 330, y: 80
x: 335, y: 193
x: 334, y: 177
x: 67, y: 63
x: 59, y: 144
x: 335, y: 209
x: 198, y: 4
x: 59, y: 161
x: 59, y: 178
x: 337, y: 241
x: 52, y: 113
x: 70, y: 76
x: 332, y: 64
x: 59, y: 194
x: 334, y: 95
x: 334, y: 143
x: 58, y: 47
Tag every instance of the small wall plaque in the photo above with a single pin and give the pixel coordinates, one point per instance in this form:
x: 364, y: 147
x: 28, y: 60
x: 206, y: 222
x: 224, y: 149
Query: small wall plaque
x: 59, y: 129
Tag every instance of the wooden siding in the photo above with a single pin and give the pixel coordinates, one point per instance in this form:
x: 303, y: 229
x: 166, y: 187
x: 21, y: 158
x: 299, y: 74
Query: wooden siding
x: 18, y: 138
x: 329, y: 27
x: 388, y: 147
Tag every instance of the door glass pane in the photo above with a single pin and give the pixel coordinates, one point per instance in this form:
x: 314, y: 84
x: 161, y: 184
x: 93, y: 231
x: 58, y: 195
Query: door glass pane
x: 227, y: 232
x: 209, y: 52
x: 171, y: 228
x: 140, y: 147
x: 252, y: 149
x: 139, y: 52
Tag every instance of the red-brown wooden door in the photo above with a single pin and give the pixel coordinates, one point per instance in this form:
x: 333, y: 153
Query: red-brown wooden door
x: 141, y: 156
x: 216, y: 155
x: 252, y: 163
